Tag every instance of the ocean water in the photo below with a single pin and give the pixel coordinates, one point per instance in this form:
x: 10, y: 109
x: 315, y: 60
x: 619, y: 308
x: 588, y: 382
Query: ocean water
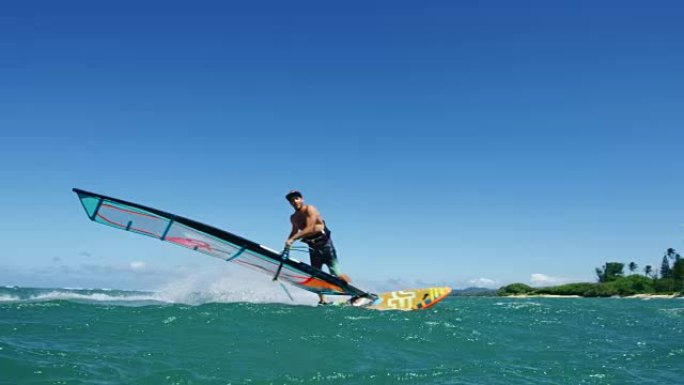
x: 115, y: 337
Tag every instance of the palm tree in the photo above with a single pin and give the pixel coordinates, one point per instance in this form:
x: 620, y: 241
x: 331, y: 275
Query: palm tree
x: 677, y: 272
x: 601, y: 274
x: 672, y: 254
x: 632, y: 267
x: 648, y: 270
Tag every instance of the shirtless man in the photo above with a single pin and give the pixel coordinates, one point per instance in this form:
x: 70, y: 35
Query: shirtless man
x: 309, y: 227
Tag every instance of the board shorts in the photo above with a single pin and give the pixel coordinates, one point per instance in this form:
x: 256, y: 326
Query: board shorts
x: 324, y: 253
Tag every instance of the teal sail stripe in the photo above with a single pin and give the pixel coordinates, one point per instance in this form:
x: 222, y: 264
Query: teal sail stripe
x: 242, y: 250
x: 163, y: 237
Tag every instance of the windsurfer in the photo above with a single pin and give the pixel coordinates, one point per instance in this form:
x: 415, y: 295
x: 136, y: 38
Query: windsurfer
x: 309, y: 227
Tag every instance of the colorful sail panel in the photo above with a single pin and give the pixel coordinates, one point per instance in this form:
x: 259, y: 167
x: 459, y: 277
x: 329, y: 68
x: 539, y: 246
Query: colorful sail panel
x: 208, y: 240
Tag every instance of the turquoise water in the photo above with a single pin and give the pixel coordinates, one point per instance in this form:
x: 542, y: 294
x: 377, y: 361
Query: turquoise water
x: 115, y: 337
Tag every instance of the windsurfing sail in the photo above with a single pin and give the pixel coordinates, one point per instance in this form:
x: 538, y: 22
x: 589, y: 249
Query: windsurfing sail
x: 209, y: 240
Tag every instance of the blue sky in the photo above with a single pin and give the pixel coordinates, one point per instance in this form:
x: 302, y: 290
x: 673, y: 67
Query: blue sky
x: 468, y: 143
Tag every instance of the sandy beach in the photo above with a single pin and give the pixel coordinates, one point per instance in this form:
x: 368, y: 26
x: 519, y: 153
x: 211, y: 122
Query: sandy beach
x: 652, y: 296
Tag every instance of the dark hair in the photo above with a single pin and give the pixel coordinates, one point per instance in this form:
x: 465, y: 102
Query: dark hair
x: 293, y: 194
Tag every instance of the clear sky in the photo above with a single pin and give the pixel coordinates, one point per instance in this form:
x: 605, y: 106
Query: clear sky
x: 462, y: 142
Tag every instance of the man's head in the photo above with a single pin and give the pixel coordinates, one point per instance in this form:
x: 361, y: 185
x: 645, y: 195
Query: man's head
x: 295, y: 198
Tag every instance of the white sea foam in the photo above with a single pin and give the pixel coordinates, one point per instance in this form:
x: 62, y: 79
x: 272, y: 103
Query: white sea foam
x: 56, y: 295
x: 209, y: 287
x: 195, y: 288
x: 190, y: 291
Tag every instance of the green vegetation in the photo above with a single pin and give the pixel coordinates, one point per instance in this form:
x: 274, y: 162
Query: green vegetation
x: 516, y: 289
x: 613, y: 282
x: 473, y: 292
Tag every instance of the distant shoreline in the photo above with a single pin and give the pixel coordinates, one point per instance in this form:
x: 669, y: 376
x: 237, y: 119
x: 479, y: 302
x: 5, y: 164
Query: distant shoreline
x: 633, y: 286
x: 541, y: 296
x: 641, y: 296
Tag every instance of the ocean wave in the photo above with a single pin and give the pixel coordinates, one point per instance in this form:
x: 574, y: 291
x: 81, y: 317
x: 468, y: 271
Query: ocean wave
x: 57, y: 295
x: 186, y: 293
x: 8, y: 298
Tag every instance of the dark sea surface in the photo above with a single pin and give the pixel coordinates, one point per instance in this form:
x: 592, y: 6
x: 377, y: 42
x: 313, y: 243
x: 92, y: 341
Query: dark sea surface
x: 60, y: 336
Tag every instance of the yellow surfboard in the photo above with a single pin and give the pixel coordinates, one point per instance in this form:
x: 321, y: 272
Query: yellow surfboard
x: 413, y: 299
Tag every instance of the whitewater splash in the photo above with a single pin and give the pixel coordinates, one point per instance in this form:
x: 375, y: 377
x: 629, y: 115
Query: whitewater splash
x: 195, y: 289
x: 79, y: 295
x: 224, y: 288
x: 8, y: 298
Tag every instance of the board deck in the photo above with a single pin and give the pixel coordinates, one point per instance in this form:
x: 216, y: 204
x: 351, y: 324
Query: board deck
x: 412, y: 299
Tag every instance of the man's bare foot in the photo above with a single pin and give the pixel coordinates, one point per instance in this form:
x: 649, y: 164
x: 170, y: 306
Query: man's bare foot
x: 345, y: 278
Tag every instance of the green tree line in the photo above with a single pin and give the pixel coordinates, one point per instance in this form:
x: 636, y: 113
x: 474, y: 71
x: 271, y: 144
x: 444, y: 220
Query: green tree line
x: 612, y: 281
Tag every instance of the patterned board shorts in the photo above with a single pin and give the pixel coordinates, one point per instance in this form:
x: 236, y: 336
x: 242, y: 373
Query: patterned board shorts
x: 325, y: 254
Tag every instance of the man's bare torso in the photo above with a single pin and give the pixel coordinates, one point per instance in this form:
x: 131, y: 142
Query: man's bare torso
x: 299, y: 218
